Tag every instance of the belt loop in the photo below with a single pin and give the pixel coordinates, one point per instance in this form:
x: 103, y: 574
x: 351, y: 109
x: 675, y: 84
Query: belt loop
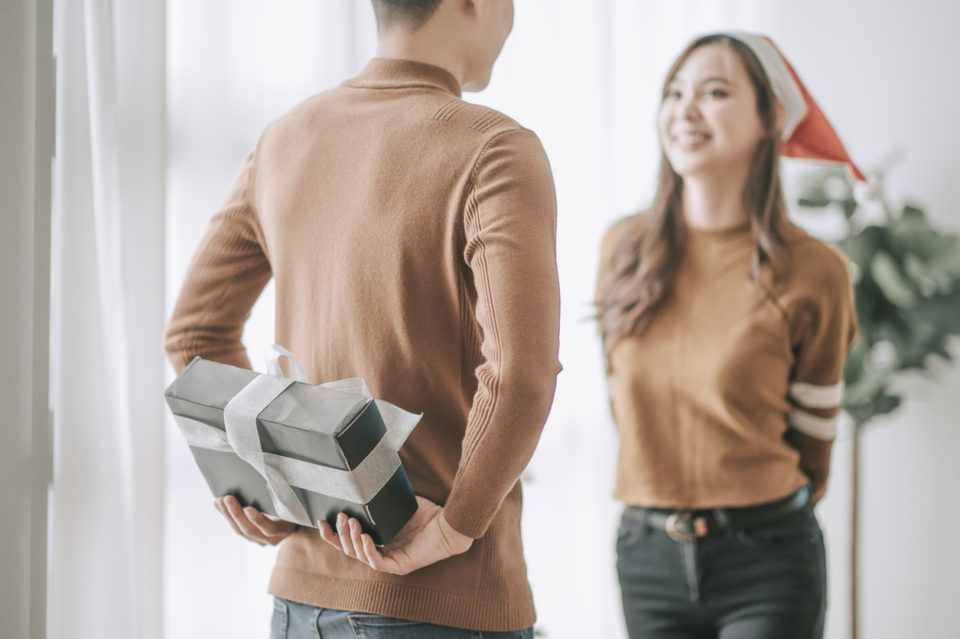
x: 722, y: 517
x: 803, y: 495
x: 644, y: 521
x: 636, y: 517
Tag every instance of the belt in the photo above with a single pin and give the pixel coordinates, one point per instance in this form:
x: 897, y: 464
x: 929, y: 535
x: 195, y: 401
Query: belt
x: 686, y: 525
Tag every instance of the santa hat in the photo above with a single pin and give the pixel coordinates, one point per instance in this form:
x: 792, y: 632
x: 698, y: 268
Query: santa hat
x: 806, y: 131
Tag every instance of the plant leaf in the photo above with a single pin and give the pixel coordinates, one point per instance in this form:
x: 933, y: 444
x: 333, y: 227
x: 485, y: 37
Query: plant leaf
x: 887, y: 275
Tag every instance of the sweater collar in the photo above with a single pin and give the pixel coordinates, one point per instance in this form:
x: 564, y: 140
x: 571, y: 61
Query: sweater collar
x: 390, y: 73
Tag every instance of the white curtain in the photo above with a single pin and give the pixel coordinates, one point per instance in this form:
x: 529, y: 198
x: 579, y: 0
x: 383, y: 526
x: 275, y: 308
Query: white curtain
x: 106, y: 534
x: 234, y: 65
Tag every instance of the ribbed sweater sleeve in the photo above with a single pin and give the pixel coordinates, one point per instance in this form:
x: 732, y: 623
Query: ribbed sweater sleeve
x: 510, y: 231
x: 226, y: 275
x: 824, y: 326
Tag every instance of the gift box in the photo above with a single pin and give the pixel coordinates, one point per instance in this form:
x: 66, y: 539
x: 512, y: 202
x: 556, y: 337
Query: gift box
x: 295, y: 450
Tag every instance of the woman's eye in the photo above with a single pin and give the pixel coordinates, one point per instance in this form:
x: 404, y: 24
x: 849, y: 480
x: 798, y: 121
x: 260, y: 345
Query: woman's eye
x: 672, y: 94
x: 717, y: 93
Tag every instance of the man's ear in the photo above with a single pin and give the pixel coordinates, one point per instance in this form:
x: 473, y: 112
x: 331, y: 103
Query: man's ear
x: 477, y: 7
x: 471, y: 7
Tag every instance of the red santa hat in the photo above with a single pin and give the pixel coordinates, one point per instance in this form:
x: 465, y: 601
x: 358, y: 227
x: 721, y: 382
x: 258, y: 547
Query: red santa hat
x: 806, y: 131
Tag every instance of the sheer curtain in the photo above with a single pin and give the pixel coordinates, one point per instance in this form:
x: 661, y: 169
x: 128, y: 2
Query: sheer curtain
x: 107, y: 508
x: 234, y: 65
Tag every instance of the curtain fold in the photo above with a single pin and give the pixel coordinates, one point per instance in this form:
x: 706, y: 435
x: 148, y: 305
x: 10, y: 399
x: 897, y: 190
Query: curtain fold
x: 103, y: 114
x: 107, y: 509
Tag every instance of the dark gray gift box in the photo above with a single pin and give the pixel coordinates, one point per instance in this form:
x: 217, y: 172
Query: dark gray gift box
x: 305, y: 422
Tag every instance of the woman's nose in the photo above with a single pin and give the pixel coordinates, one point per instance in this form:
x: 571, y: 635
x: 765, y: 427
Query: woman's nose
x: 688, y: 109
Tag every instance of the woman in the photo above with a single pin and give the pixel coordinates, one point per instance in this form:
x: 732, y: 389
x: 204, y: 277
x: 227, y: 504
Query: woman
x: 725, y: 330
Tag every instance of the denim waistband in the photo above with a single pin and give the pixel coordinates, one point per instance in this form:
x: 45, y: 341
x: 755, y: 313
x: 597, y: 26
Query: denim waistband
x: 726, y: 517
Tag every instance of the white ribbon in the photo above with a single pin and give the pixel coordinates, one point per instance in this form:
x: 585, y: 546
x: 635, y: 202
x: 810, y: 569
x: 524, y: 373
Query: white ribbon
x: 240, y: 420
x: 359, y: 485
x: 272, y: 357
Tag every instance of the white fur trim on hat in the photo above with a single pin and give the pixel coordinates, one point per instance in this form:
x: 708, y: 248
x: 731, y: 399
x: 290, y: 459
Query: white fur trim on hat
x: 784, y: 85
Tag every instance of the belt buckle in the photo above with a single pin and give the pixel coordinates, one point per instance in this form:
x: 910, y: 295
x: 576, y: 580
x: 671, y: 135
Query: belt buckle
x: 672, y: 526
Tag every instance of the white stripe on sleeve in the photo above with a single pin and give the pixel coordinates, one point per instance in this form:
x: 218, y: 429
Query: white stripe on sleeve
x: 813, y: 396
x: 813, y: 425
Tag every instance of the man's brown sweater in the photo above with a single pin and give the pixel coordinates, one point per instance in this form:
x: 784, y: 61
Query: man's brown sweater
x: 412, y: 239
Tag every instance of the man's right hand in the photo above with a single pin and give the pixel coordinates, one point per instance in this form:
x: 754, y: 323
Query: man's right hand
x: 426, y: 539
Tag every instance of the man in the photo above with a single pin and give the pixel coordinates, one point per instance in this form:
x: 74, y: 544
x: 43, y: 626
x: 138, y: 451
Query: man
x: 412, y: 238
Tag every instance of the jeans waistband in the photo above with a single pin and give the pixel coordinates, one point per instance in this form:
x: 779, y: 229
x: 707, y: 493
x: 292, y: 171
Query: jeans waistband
x: 682, y: 524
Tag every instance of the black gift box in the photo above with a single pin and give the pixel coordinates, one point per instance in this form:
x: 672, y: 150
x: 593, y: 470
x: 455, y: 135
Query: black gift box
x: 304, y: 422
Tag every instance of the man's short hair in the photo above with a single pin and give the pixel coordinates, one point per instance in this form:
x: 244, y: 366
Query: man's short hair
x: 414, y: 13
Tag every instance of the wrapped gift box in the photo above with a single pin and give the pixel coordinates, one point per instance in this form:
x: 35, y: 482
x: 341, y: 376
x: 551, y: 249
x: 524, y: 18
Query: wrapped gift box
x: 294, y: 450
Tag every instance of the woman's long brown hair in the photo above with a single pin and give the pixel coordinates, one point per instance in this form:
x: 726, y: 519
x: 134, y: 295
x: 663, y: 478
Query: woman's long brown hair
x: 640, y: 271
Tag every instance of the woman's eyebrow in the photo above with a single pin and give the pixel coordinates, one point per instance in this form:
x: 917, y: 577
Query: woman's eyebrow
x: 713, y: 78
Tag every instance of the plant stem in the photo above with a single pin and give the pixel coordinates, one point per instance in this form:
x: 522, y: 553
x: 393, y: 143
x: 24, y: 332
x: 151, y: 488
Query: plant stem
x: 854, y: 526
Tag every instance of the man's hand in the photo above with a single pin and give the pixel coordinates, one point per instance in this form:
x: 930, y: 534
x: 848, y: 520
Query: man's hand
x: 251, y: 523
x: 425, y: 539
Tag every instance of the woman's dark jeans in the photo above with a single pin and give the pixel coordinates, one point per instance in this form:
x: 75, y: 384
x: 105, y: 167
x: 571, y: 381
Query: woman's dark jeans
x: 767, y: 582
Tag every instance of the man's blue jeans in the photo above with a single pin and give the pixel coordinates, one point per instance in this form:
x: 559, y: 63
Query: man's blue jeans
x: 298, y: 621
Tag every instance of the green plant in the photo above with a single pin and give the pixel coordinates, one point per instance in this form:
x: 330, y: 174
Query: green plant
x: 906, y: 288
x: 907, y: 295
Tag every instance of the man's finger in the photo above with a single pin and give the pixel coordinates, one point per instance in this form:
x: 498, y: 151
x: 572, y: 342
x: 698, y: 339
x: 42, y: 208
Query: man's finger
x: 247, y: 529
x: 272, y: 532
x: 327, y: 534
x: 253, y: 532
x: 355, y: 532
x: 374, y: 557
x: 382, y: 561
x: 272, y: 528
x: 221, y: 506
x: 264, y: 525
x: 343, y: 533
x: 223, y: 511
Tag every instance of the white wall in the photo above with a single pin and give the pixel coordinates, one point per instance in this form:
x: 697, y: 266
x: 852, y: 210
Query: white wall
x: 26, y: 133
x: 884, y: 72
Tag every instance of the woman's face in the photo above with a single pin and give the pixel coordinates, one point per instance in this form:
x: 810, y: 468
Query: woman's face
x: 708, y: 119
